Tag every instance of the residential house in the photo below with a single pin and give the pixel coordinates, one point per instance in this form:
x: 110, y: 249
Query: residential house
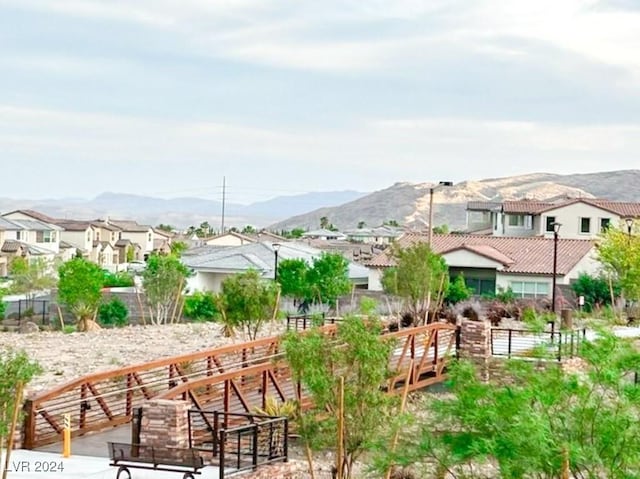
x: 136, y: 233
x: 490, y: 262
x: 211, y: 265
x: 324, y: 234
x: 11, y: 247
x: 230, y: 238
x: 162, y: 241
x: 581, y: 218
x: 107, y: 255
x: 380, y: 235
x: 34, y: 229
x: 80, y: 234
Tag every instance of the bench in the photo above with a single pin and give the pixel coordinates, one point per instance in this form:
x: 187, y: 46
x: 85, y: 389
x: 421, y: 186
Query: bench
x: 135, y: 456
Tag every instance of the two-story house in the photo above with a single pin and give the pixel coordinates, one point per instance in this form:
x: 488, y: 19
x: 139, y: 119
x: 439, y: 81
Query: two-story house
x: 380, y: 235
x: 34, y: 229
x: 142, y: 235
x: 580, y: 218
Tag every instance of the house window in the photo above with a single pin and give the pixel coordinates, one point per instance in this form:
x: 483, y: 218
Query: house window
x: 604, y: 224
x: 45, y: 236
x: 149, y: 237
x: 97, y: 235
x: 549, y: 224
x: 113, y: 236
x: 18, y: 236
x: 89, y: 236
x: 585, y: 225
x: 529, y: 289
x: 516, y: 220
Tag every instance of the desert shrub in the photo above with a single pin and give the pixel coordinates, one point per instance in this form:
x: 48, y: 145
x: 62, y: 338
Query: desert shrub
x: 69, y: 328
x: 201, y: 306
x: 113, y: 313
x: 533, y: 321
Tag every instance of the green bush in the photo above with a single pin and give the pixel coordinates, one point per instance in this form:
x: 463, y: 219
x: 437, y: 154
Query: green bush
x: 117, y: 280
x: 201, y: 307
x: 69, y: 328
x: 533, y: 321
x: 458, y: 291
x: 3, y: 307
x: 596, y: 291
x: 113, y: 313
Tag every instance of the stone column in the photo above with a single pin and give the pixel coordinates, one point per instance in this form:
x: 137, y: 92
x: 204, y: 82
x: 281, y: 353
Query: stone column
x: 165, y: 424
x: 475, y: 345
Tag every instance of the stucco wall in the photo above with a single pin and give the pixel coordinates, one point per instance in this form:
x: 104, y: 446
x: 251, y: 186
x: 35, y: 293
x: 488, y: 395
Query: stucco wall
x: 569, y: 216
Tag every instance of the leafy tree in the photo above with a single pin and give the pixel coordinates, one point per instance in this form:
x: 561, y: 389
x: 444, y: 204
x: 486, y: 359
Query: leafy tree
x: 441, y: 230
x: 177, y: 248
x: 164, y: 227
x: 31, y: 275
x: 545, y: 423
x: 292, y: 276
x: 204, y: 229
x: 163, y: 281
x: 328, y: 278
x: 324, y: 222
x: 297, y: 232
x: 418, y: 277
x: 17, y: 371
x: 359, y: 356
x: 393, y: 223
x: 247, y: 302
x: 322, y: 282
x: 130, y: 254
x: 361, y: 224
x: 595, y: 290
x: 248, y: 229
x: 201, y: 306
x: 458, y: 290
x: 79, y: 289
x: 113, y: 313
x: 620, y: 255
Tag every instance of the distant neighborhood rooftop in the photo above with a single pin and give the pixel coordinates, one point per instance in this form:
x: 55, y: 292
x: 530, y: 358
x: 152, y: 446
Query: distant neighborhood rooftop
x: 530, y: 255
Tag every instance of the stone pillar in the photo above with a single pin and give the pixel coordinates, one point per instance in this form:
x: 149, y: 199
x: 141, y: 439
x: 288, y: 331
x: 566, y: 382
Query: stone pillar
x: 165, y: 424
x: 475, y: 344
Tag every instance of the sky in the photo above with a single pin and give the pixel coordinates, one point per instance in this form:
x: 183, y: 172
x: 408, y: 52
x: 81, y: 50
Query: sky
x: 166, y: 97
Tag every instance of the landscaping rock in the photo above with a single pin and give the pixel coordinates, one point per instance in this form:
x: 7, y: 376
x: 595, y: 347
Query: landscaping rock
x: 29, y: 327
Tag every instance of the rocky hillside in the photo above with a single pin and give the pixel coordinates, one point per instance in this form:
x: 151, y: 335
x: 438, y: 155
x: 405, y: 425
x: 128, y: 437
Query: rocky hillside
x: 408, y: 203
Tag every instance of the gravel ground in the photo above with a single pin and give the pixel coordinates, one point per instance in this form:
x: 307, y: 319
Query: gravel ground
x: 65, y: 357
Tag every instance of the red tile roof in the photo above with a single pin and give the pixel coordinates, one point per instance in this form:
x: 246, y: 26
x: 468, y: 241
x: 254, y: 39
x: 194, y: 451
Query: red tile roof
x: 527, y: 206
x: 518, y: 255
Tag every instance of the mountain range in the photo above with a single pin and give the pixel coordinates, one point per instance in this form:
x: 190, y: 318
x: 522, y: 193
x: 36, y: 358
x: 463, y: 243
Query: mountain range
x: 406, y: 203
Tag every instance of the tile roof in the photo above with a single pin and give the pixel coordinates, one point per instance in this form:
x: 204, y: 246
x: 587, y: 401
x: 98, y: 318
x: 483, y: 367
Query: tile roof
x: 36, y: 225
x: 6, y: 224
x: 527, y: 206
x: 518, y: 255
x: 484, y: 205
x: 36, y: 215
x: 13, y: 246
x: 106, y: 226
x: 623, y: 209
x: 130, y: 226
x: 258, y: 256
x: 73, y: 225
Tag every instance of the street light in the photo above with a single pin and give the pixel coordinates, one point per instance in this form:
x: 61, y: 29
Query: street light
x: 629, y: 222
x: 431, y: 190
x: 556, y: 230
x: 276, y: 248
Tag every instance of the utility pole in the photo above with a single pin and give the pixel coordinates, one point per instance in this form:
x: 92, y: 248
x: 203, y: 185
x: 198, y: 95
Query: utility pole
x: 224, y: 192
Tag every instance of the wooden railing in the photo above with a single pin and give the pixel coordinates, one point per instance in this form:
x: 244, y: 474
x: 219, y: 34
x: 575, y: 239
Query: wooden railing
x: 234, y: 378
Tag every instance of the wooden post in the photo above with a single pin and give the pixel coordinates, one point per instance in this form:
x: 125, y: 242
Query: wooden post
x: 14, y: 420
x: 565, y: 464
x: 61, y: 317
x: 403, y: 405
x: 340, y: 449
x: 175, y: 305
x: 144, y: 321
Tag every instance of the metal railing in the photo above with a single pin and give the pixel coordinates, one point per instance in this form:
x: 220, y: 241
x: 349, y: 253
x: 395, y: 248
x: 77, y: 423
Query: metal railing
x: 239, y: 442
x: 520, y: 343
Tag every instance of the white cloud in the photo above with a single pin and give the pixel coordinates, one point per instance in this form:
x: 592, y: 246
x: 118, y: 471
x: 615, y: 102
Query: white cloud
x: 285, y: 33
